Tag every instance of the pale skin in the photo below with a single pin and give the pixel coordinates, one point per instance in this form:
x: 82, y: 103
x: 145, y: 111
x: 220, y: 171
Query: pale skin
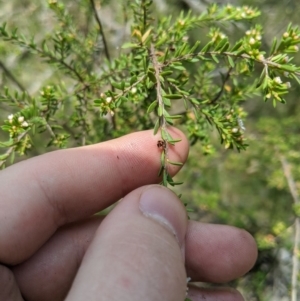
x: 53, y: 248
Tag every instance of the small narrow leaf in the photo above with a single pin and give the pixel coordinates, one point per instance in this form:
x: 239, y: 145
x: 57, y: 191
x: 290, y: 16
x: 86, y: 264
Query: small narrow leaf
x: 146, y: 35
x: 156, y: 127
x: 152, y: 107
x: 273, y: 48
x: 173, y: 141
x: 161, y: 170
x: 159, y: 111
x: 162, y: 158
x: 175, y: 163
x: 215, y: 58
x: 129, y: 45
x: 173, y: 96
x: 231, y: 62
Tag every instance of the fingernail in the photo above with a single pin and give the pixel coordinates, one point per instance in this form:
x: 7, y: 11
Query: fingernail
x: 163, y: 206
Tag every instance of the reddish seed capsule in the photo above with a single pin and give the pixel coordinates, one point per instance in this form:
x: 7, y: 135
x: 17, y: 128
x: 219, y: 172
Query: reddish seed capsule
x: 161, y: 144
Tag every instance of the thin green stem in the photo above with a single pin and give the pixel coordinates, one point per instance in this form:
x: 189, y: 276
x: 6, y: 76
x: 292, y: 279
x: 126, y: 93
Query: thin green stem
x: 265, y: 62
x: 162, y: 119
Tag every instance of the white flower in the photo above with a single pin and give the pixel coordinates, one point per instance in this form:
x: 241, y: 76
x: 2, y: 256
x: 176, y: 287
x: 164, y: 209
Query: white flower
x: 286, y: 35
x: 25, y: 124
x: 21, y: 119
x: 261, y: 57
x: 10, y: 118
x: 234, y: 130
x: 252, y: 41
x: 288, y: 84
x: 133, y: 90
x: 108, y: 99
x: 278, y: 80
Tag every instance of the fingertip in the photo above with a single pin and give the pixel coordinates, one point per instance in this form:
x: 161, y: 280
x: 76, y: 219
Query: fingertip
x: 229, y: 252
x: 163, y: 206
x: 56, y: 184
x: 135, y: 251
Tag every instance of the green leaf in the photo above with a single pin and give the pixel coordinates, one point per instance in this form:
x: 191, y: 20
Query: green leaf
x: 159, y: 111
x: 206, y: 47
x: 175, y: 117
x: 290, y: 68
x: 164, y: 134
x: 214, y: 57
x: 173, y: 141
x: 117, y: 85
x: 194, y: 101
x: 129, y: 45
x: 162, y: 158
x: 175, y: 163
x: 171, y: 181
x: 152, y: 107
x: 273, y: 48
x: 151, y: 76
x: 167, y: 102
x: 194, y: 47
x: 221, y: 44
x: 173, y: 96
x: 3, y: 157
x: 296, y: 78
x: 166, y: 72
x: 236, y: 46
x: 231, y: 62
x: 6, y: 127
x: 161, y: 169
x: 8, y: 143
x: 133, y: 80
x: 178, y: 67
x: 156, y: 127
x: 165, y: 178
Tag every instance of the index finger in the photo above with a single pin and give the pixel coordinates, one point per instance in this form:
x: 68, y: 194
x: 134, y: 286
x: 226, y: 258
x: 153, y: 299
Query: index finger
x: 41, y: 194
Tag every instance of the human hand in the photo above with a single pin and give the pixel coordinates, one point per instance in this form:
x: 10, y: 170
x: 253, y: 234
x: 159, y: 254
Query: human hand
x: 51, y: 247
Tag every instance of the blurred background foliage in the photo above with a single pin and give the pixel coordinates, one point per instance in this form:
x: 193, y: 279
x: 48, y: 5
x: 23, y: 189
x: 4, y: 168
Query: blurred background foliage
x: 249, y: 189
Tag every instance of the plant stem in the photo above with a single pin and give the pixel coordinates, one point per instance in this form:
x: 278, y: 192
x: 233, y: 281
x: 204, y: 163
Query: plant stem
x: 265, y: 62
x: 162, y: 119
x: 215, y: 99
x: 157, y: 68
x: 100, y: 29
x: 12, y: 77
x: 113, y: 117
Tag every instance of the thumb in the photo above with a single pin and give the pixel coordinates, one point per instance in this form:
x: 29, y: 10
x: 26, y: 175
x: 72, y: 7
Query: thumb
x: 137, y: 252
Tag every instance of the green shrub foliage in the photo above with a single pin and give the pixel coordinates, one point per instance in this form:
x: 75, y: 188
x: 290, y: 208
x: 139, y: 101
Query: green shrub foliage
x: 159, y: 77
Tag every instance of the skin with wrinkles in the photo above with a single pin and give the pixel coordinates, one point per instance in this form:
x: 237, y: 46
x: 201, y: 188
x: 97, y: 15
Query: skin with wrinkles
x: 52, y: 247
